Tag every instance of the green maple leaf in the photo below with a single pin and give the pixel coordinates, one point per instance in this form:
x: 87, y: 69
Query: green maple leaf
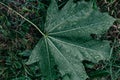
x: 66, y: 41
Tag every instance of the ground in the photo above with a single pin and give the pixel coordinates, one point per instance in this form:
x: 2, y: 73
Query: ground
x: 18, y: 37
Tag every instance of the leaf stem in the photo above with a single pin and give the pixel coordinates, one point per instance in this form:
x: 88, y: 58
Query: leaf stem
x: 23, y: 18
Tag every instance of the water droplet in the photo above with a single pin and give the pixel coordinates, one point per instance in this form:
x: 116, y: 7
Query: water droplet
x: 97, y: 57
x: 59, y: 28
x: 68, y: 51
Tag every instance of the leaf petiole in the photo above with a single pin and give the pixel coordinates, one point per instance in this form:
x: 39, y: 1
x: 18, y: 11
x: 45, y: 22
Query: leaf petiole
x: 23, y: 18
